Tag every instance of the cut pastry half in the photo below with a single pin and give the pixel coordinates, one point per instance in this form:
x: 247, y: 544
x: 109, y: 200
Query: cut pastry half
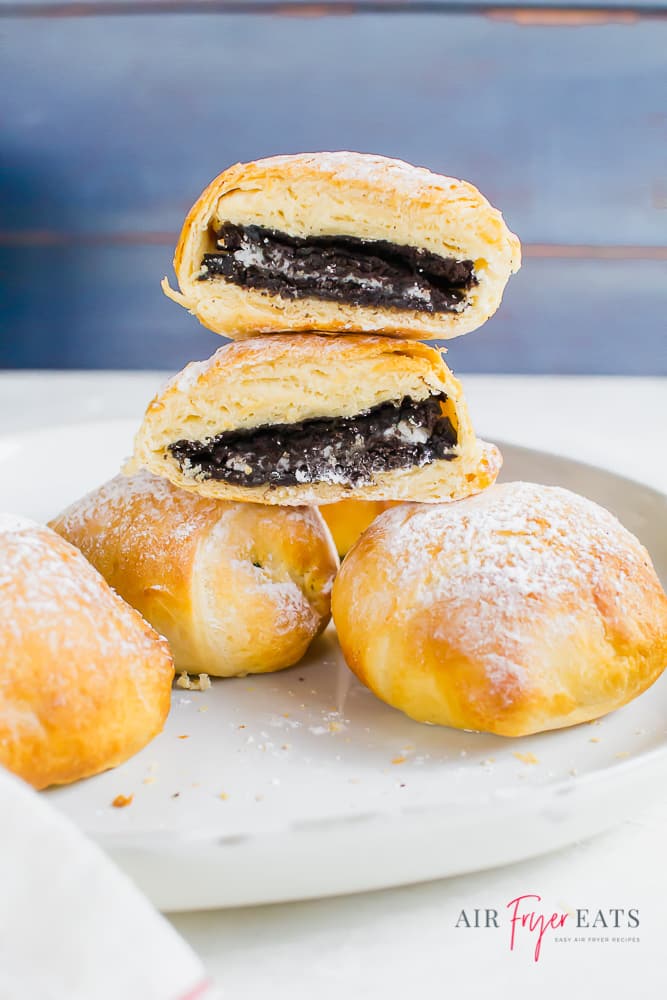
x: 342, y: 241
x: 295, y: 419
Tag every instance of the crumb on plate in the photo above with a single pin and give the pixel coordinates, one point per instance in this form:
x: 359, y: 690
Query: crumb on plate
x: 201, y: 682
x: 121, y: 801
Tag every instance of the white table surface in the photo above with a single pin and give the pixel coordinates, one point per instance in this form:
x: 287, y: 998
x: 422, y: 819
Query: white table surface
x: 393, y: 943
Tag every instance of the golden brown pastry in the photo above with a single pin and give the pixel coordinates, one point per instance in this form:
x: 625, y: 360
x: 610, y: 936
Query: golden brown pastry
x: 84, y: 681
x: 236, y: 588
x: 297, y: 419
x: 348, y: 519
x: 524, y: 609
x: 342, y: 242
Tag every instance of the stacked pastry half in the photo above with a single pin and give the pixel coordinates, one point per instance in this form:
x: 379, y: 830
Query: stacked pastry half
x: 508, y: 609
x: 327, y: 270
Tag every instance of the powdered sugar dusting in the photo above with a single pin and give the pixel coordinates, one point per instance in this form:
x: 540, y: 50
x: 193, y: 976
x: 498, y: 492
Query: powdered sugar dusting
x: 499, y: 563
x: 187, y: 379
x: 367, y: 167
x: 291, y: 607
x: 147, y: 501
x: 13, y: 522
x: 53, y: 599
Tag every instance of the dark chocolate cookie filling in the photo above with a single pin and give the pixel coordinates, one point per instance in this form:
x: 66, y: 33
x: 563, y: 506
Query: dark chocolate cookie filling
x: 345, y: 450
x: 340, y: 268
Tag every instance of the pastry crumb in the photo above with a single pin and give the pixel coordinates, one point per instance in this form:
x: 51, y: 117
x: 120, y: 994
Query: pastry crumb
x: 224, y: 796
x: 526, y: 758
x: 183, y: 736
x: 594, y: 739
x: 334, y: 727
x: 621, y: 754
x: 149, y: 780
x: 121, y: 801
x: 398, y: 760
x: 201, y: 682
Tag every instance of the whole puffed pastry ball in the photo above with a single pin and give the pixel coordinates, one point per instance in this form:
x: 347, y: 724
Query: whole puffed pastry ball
x: 522, y: 609
x: 236, y: 588
x: 85, y: 683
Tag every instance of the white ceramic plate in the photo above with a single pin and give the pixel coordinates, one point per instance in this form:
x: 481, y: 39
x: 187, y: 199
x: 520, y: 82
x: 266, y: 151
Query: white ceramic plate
x: 302, y: 784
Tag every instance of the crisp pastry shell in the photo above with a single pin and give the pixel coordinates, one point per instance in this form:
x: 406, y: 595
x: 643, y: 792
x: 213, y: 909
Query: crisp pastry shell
x: 85, y: 681
x: 525, y: 609
x: 351, y: 194
x: 235, y: 588
x: 290, y: 378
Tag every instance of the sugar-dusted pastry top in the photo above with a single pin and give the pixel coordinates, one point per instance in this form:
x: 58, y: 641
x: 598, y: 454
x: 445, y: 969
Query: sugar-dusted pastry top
x: 342, y: 241
x: 85, y: 682
x: 531, y: 606
x: 236, y: 588
x: 517, y: 548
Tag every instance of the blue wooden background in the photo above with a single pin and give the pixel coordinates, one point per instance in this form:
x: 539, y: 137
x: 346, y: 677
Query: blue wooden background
x: 116, y: 114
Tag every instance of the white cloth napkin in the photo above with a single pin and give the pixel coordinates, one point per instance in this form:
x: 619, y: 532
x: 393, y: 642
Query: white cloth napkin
x: 72, y: 926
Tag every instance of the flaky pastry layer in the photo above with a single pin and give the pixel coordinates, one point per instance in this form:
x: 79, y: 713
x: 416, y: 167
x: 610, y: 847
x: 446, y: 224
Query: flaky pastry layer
x: 343, y: 194
x: 291, y: 378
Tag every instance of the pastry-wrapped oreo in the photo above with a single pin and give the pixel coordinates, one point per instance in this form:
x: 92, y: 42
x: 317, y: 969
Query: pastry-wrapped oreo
x: 236, y: 588
x: 342, y: 241
x: 524, y: 609
x: 297, y: 419
x: 84, y: 681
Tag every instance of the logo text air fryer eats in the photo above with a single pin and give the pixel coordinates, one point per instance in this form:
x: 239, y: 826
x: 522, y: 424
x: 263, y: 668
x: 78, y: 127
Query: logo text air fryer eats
x: 524, y: 918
